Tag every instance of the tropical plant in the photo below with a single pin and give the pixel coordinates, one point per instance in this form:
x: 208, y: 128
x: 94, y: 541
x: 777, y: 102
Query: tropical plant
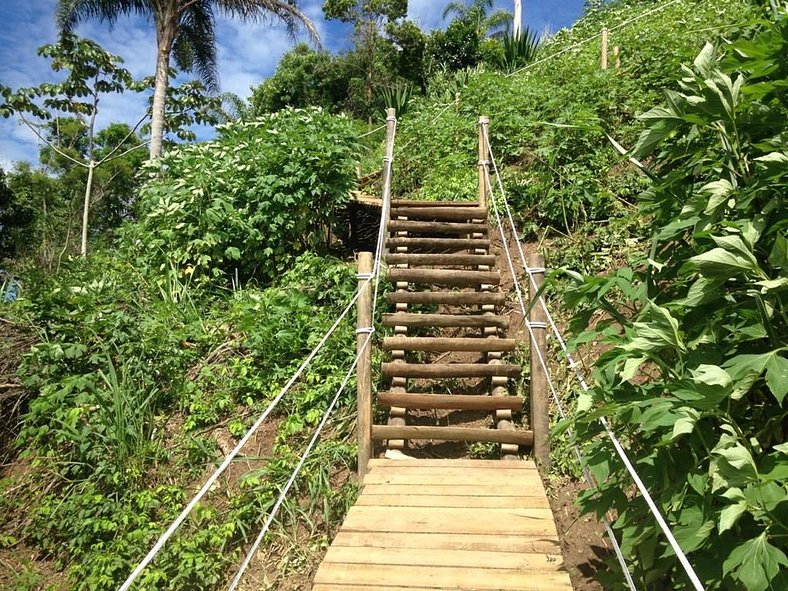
x: 519, y: 48
x: 479, y: 15
x: 397, y: 97
x: 695, y: 375
x: 185, y: 31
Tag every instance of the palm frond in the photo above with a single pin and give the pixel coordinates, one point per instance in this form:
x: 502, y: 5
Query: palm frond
x: 195, y: 45
x: 283, y: 10
x: 458, y: 8
x: 69, y: 13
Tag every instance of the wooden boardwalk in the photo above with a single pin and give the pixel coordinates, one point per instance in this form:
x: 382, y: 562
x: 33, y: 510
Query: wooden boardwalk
x: 447, y: 525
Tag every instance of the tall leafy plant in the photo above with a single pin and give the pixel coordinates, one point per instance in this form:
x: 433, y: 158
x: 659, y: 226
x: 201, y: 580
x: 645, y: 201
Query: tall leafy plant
x: 694, y: 381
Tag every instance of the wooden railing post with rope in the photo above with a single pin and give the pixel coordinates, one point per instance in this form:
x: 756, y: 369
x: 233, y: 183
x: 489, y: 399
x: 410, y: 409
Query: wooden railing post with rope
x: 540, y: 409
x: 364, y: 367
x: 484, y: 122
x: 391, y: 122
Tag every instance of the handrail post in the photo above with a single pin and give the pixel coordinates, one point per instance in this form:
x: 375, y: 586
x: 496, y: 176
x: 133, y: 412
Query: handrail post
x: 603, y: 51
x: 364, y: 366
x: 540, y: 409
x: 484, y: 150
x: 388, y: 159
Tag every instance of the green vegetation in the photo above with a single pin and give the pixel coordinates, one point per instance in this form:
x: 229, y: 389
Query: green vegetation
x: 213, y: 272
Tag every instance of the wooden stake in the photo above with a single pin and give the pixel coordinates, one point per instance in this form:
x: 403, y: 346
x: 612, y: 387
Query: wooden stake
x: 484, y: 122
x: 617, y: 57
x: 540, y: 410
x: 391, y: 121
x: 364, y: 367
x: 603, y: 60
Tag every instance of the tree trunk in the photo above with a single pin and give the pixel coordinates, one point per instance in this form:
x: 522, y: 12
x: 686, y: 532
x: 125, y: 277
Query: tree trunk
x: 86, y: 210
x: 518, y: 17
x: 159, y: 100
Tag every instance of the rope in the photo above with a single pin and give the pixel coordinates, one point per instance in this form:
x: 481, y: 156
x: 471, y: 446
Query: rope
x: 592, y: 38
x: 611, y: 435
x: 369, y: 331
x: 371, y: 131
x: 236, y: 450
x: 281, y: 499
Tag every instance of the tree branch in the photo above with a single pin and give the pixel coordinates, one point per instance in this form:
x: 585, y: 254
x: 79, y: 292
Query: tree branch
x: 50, y: 144
x: 116, y: 148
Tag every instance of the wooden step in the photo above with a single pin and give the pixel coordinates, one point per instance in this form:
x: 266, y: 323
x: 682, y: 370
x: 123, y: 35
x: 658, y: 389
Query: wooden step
x: 445, y: 320
x: 417, y: 203
x: 447, y: 260
x: 380, y: 432
x: 449, y: 401
x: 448, y: 298
x: 436, y: 227
x: 450, y: 277
x: 441, y: 344
x: 439, y: 243
x: 442, y: 214
x: 449, y: 370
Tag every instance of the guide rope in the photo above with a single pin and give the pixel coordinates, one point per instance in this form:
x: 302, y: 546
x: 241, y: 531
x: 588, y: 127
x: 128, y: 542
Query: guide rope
x: 690, y: 571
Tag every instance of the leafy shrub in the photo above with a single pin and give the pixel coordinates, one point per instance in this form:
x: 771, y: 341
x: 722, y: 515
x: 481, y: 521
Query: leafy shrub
x: 249, y: 201
x: 695, y: 381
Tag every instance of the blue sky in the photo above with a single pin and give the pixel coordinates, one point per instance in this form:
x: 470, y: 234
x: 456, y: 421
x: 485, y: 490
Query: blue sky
x: 248, y: 52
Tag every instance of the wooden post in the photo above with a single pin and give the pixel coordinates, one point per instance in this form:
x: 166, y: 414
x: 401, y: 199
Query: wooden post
x: 617, y: 57
x: 391, y: 120
x: 540, y: 410
x: 364, y: 367
x: 484, y: 123
x: 603, y: 58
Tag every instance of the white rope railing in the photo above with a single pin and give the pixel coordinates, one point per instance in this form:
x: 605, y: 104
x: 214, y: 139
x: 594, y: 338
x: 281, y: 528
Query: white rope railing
x: 375, y: 275
x: 296, y: 471
x: 690, y: 571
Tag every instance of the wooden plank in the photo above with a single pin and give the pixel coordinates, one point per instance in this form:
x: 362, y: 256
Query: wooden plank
x: 427, y: 541
x: 448, y: 401
x: 440, y: 243
x: 455, y: 476
x: 447, y: 214
x: 448, y: 370
x: 449, y: 260
x: 448, y: 298
x: 422, y: 203
x: 437, y: 227
x: 445, y: 320
x: 448, y: 558
x: 421, y: 500
x: 452, y: 463
x: 445, y: 488
x: 449, y: 277
x: 440, y: 344
x: 441, y: 577
x: 381, y: 432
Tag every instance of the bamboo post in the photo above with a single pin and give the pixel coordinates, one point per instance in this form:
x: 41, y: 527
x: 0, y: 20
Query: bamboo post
x: 540, y: 411
x: 364, y: 366
x: 603, y: 57
x: 388, y: 159
x: 484, y: 123
x: 617, y: 57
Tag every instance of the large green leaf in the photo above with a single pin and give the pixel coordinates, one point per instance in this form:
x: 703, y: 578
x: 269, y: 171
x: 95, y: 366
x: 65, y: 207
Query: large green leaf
x: 755, y: 563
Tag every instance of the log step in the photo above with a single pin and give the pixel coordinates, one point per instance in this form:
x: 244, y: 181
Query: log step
x: 442, y: 344
x: 436, y: 227
x: 441, y: 214
x: 439, y: 243
x: 450, y: 277
x: 449, y: 401
x: 447, y: 260
x: 449, y: 370
x: 448, y: 298
x: 380, y: 432
x: 417, y: 203
x: 445, y: 320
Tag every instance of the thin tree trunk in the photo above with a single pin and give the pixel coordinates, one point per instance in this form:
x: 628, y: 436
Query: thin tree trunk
x: 518, y: 17
x: 159, y: 100
x: 86, y: 209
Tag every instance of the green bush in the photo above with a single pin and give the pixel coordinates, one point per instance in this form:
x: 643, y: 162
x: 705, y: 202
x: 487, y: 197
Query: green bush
x: 250, y: 201
x: 695, y: 380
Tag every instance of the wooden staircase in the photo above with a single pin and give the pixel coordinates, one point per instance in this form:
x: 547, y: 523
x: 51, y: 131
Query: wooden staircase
x: 439, y: 257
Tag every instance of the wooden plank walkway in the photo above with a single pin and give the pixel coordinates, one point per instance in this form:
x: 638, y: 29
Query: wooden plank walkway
x: 447, y: 525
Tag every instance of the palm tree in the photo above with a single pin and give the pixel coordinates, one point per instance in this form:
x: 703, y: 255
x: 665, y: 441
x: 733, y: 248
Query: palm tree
x: 518, y: 17
x: 184, y: 31
x: 477, y: 12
